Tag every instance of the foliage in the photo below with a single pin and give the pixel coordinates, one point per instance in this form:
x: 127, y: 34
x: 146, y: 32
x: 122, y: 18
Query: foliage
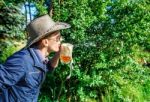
x: 7, y: 52
x: 11, y: 29
x: 111, y: 53
x: 41, y: 8
x: 11, y: 25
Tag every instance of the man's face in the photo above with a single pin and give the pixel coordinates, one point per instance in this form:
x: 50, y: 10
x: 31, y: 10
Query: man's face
x: 54, y: 42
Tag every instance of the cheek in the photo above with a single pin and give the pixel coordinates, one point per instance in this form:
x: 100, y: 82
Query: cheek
x: 55, y: 47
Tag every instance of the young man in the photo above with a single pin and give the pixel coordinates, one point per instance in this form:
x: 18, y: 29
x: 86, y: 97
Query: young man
x: 22, y: 75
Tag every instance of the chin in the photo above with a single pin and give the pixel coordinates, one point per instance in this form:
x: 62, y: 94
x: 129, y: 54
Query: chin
x: 56, y: 50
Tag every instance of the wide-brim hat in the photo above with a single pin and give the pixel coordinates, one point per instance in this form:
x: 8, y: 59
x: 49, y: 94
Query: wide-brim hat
x: 41, y: 27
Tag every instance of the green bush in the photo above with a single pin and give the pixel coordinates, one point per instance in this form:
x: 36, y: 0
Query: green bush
x: 6, y: 52
x: 12, y: 23
x: 111, y: 53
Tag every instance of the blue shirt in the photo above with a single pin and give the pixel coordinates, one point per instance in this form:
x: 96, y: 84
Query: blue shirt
x: 22, y: 75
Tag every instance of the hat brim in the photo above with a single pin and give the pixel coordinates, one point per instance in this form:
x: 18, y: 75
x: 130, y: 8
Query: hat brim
x: 56, y: 27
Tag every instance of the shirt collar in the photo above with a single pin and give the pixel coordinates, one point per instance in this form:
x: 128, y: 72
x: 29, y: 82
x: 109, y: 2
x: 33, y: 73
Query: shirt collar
x: 39, y: 60
x: 41, y: 56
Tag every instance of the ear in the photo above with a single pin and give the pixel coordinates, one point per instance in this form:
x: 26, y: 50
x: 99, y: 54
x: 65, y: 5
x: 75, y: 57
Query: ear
x: 45, y: 42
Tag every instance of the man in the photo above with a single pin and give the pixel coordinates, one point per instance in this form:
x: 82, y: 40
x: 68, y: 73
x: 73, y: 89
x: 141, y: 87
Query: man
x: 22, y: 75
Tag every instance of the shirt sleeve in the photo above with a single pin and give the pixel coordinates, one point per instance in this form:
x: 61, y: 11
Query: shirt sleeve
x: 11, y: 71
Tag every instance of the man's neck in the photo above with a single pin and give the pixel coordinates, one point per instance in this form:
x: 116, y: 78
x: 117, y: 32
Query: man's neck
x: 43, y: 51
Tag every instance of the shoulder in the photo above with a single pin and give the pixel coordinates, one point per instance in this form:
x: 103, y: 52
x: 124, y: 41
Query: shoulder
x: 19, y: 54
x: 16, y: 62
x: 18, y: 57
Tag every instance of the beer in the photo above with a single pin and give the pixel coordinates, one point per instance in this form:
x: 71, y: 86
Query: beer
x: 66, y: 53
x: 65, y: 59
x: 66, y: 56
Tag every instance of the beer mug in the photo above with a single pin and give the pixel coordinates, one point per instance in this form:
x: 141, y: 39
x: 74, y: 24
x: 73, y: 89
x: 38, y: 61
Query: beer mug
x: 66, y: 53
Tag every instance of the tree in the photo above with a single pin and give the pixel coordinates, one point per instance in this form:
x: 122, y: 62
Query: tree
x: 111, y: 50
x: 111, y: 53
x: 11, y: 29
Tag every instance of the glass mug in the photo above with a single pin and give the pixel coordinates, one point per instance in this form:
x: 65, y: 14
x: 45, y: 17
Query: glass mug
x: 66, y: 53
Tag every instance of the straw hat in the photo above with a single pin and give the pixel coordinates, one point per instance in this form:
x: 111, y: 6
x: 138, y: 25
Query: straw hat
x: 41, y: 27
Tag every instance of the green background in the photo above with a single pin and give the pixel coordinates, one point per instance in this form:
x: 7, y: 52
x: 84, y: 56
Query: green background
x: 111, y: 53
